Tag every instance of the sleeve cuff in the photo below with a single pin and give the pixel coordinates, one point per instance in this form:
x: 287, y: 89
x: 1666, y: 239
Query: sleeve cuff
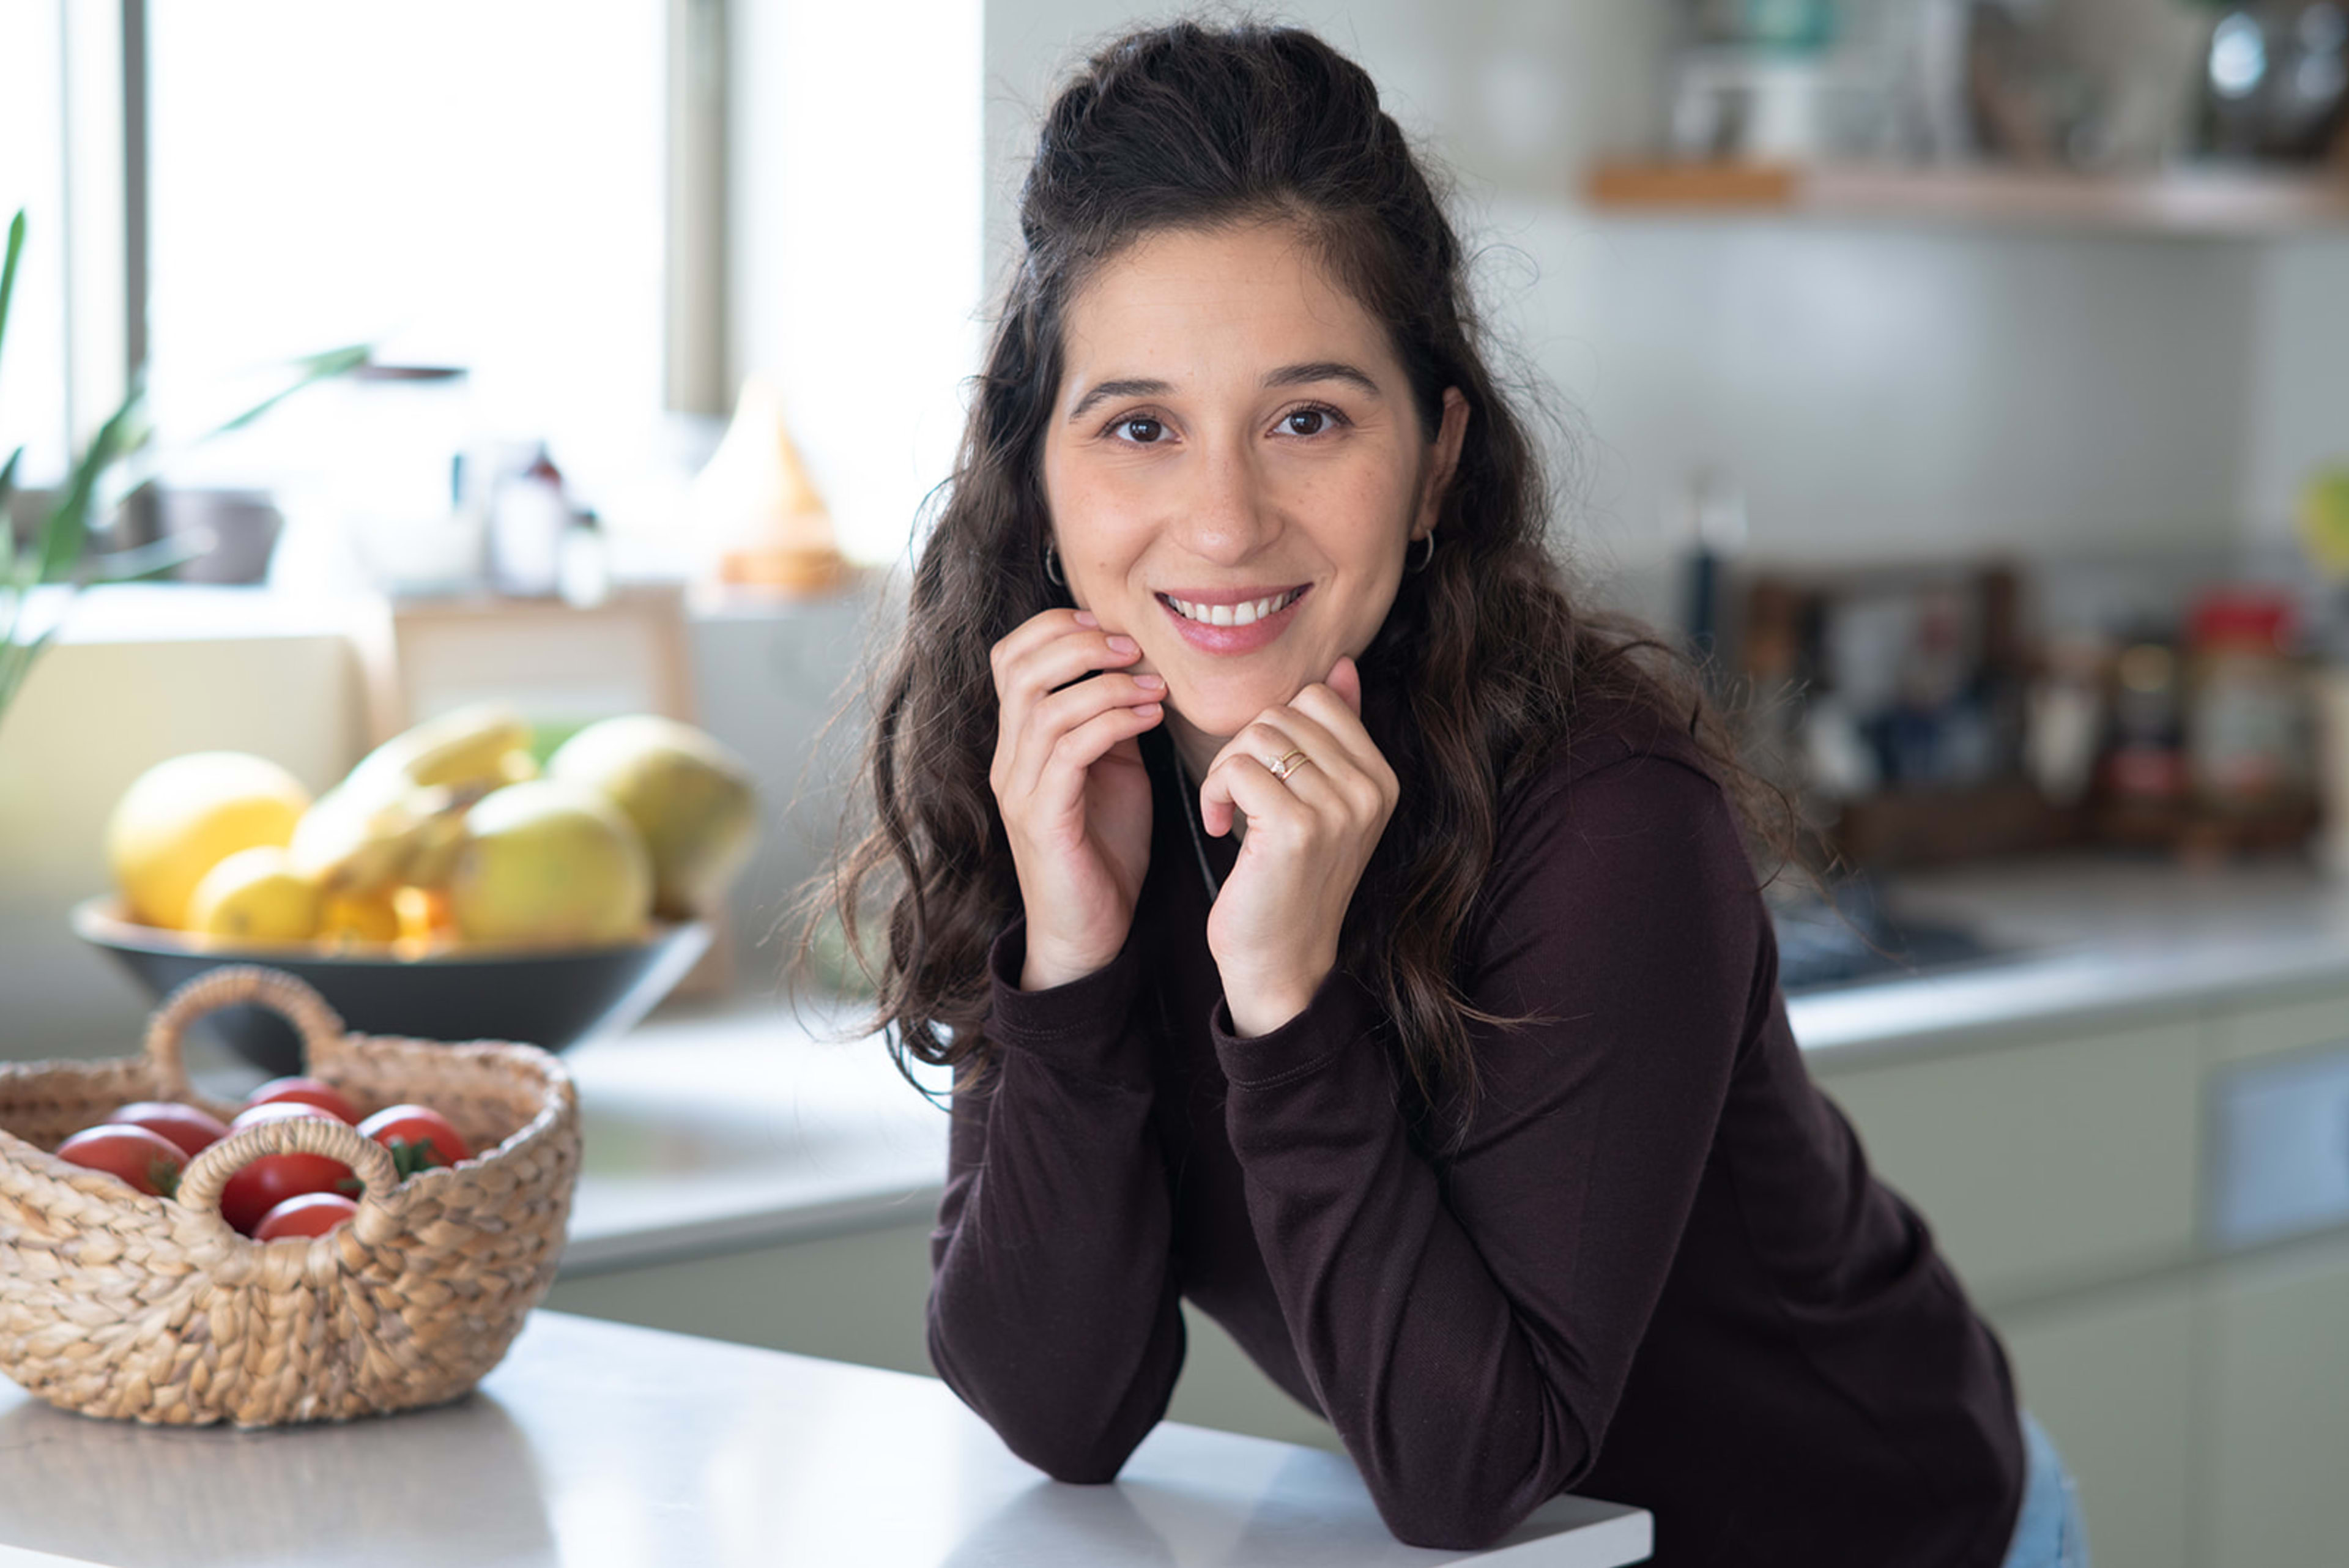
x: 1341, y: 1015
x: 1080, y: 1026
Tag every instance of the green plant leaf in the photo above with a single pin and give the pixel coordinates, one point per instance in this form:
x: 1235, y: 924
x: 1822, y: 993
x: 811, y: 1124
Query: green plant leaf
x: 308, y: 371
x: 66, y: 530
x: 8, y: 269
x: 149, y: 560
x: 16, y: 660
x: 7, y: 525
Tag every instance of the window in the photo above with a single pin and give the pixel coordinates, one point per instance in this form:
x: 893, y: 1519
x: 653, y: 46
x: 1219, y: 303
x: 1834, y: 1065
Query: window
x: 458, y: 183
x: 35, y: 387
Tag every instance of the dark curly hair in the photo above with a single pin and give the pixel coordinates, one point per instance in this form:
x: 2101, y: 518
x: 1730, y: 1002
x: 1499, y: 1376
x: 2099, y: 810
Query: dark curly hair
x: 1189, y: 127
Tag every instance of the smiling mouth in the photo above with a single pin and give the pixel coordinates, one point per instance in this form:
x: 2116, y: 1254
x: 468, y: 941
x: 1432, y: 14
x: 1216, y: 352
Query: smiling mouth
x: 1246, y: 613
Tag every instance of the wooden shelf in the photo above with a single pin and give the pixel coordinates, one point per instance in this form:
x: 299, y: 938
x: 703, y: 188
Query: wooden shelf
x: 2237, y: 204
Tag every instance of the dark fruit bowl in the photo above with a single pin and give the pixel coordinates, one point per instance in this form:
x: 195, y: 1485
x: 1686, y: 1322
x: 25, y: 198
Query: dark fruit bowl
x: 554, y: 998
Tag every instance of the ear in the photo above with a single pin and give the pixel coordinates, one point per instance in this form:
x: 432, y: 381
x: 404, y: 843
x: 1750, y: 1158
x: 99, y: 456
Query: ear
x: 1449, y: 437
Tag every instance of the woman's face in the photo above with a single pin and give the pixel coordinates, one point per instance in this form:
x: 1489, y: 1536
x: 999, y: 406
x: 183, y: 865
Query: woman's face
x: 1235, y: 466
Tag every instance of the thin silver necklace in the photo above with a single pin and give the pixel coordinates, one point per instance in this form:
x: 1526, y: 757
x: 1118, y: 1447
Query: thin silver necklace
x: 1191, y: 820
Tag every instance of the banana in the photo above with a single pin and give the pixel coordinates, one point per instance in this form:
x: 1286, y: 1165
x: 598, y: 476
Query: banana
x: 468, y: 747
x: 398, y: 819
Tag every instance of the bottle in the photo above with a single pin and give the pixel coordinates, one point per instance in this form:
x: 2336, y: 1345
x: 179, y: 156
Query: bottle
x: 585, y: 570
x: 528, y: 518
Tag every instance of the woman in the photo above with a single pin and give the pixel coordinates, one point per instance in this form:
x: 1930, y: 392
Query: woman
x: 1328, y: 923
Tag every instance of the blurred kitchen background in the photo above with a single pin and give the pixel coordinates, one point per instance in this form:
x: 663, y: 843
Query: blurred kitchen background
x: 1968, y: 381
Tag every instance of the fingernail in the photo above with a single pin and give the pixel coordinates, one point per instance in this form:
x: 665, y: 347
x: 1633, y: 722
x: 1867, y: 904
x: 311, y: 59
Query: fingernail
x: 1119, y: 643
x: 1087, y: 618
x: 1150, y: 682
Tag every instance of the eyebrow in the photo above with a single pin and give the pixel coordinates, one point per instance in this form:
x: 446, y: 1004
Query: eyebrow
x: 1302, y: 375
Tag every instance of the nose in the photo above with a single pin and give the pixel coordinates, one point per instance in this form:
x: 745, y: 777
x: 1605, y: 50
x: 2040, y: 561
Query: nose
x: 1226, y: 513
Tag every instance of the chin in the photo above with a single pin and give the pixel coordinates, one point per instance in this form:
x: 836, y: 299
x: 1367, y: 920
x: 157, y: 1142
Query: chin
x: 1230, y: 706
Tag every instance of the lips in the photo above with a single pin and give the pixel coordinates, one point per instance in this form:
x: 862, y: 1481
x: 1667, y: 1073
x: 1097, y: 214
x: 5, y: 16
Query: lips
x: 1269, y: 616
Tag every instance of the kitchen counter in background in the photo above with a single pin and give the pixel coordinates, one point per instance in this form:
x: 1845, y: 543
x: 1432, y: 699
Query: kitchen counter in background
x: 595, y: 1443
x: 2090, y: 938
x: 714, y: 1128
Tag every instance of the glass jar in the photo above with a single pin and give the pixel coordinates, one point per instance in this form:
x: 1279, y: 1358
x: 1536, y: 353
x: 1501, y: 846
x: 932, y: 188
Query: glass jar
x: 2246, y: 706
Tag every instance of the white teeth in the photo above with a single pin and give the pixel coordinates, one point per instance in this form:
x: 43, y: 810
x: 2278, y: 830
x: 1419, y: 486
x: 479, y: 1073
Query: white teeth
x: 1232, y: 615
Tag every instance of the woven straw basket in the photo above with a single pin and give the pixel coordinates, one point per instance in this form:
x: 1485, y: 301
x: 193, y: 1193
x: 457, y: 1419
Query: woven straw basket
x: 116, y: 1304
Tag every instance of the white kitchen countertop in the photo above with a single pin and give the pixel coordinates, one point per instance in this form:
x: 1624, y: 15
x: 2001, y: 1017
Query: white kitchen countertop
x: 721, y: 1127
x: 597, y: 1443
x: 2099, y: 938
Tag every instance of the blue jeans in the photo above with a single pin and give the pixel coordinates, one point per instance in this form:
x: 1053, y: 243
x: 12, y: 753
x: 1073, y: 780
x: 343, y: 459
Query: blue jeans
x: 2048, y: 1533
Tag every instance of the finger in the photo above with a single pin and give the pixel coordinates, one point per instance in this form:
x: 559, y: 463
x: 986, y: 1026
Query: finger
x: 1032, y: 634
x: 1240, y: 783
x: 1326, y: 707
x: 1061, y: 784
x: 1324, y: 778
x: 1053, y: 665
x: 1036, y: 661
x: 1260, y: 745
x: 1071, y: 707
x: 1346, y: 680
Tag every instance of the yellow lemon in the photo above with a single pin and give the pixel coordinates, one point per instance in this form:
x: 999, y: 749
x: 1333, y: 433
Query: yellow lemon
x: 255, y: 896
x: 180, y: 818
x: 691, y: 799
x: 552, y: 864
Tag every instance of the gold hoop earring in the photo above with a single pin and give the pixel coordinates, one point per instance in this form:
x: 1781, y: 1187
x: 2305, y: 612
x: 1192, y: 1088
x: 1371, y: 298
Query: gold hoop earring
x: 1053, y: 566
x: 1427, y: 554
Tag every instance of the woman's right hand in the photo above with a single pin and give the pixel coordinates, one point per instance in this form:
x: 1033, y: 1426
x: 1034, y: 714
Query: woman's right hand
x: 1070, y: 782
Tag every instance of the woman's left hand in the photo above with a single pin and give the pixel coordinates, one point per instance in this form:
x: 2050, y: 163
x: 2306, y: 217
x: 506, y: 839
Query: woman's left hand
x: 1275, y: 927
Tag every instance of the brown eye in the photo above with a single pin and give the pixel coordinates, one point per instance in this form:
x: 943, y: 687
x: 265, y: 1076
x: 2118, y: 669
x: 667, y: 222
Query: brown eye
x: 1144, y: 430
x: 1307, y: 422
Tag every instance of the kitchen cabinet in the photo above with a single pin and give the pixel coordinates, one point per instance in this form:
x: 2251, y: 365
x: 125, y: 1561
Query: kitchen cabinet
x: 2278, y: 1421
x: 2298, y: 1021
x: 2199, y: 1394
x: 2043, y: 1163
x: 2112, y: 1378
x: 858, y: 1297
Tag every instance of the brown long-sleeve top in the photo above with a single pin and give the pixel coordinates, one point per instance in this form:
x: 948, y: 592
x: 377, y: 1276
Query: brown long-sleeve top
x: 1656, y: 1270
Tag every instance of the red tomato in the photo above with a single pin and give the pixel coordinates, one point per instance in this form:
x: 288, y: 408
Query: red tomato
x: 309, y: 1092
x: 280, y: 1111
x: 193, y: 1130
x: 272, y: 1179
x: 417, y: 1136
x: 311, y: 1214
x: 149, y: 1161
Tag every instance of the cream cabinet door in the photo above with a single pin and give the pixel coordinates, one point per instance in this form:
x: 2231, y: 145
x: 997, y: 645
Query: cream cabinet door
x: 858, y: 1297
x: 2041, y: 1166
x: 2297, y: 1024
x: 2112, y: 1378
x: 2279, y: 1414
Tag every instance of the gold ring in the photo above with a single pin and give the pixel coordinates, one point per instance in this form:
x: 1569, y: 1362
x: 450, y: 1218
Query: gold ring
x: 1288, y: 765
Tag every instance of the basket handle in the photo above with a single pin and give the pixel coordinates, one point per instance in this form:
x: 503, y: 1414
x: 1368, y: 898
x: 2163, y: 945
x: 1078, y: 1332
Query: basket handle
x: 320, y: 1027
x: 208, y: 1173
